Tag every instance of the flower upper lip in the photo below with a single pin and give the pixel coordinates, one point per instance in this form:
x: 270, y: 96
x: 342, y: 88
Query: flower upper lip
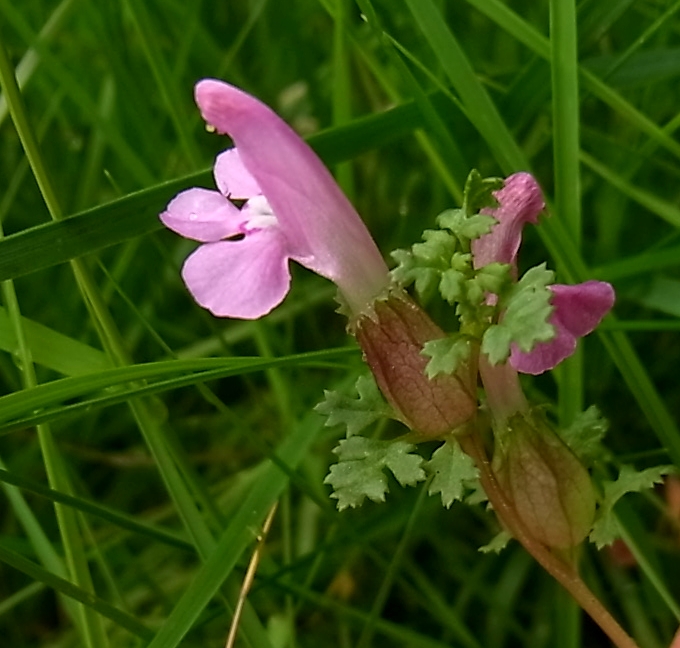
x: 293, y: 210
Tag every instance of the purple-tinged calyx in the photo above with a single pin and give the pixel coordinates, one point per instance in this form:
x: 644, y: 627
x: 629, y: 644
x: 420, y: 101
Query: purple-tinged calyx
x: 392, y: 336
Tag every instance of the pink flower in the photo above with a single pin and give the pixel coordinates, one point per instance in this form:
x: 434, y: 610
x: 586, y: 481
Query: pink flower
x: 577, y: 310
x: 293, y: 209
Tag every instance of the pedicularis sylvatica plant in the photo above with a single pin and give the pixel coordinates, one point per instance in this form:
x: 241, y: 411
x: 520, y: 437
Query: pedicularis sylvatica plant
x: 459, y: 387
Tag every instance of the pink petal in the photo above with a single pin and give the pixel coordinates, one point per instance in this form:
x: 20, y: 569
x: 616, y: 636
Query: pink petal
x: 545, y: 355
x: 322, y: 229
x: 244, y: 279
x: 232, y: 178
x: 520, y: 201
x: 202, y: 215
x: 580, y: 308
x: 578, y: 311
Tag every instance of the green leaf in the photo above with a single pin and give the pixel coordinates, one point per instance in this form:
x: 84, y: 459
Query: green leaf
x: 479, y: 192
x: 525, y: 321
x: 51, y: 348
x: 453, y: 472
x: 446, y: 354
x: 494, y: 278
x: 436, y: 249
x: 464, y: 226
x: 452, y: 285
x: 584, y: 436
x: 360, y: 471
x: 424, y: 264
x: 497, y: 544
x: 409, y: 271
x: 606, y: 527
x: 355, y: 413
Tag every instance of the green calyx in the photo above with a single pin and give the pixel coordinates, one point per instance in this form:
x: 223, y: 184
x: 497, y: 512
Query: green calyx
x: 549, y: 487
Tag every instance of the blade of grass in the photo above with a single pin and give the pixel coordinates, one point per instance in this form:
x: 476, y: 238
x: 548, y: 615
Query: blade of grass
x: 342, y: 96
x: 477, y: 102
x: 640, y: 264
x: 639, y: 544
x: 509, y: 21
x: 92, y: 508
x: 165, y: 81
x: 74, y: 89
x: 664, y: 209
x: 29, y: 61
x: 239, y: 534
x: 567, y: 172
x: 197, y: 370
x: 90, y: 625
x: 366, y: 637
x: 52, y: 349
x: 84, y: 597
x: 136, y: 214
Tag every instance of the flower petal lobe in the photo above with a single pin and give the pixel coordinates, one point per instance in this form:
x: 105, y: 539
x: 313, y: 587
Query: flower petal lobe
x: 243, y: 279
x: 202, y: 215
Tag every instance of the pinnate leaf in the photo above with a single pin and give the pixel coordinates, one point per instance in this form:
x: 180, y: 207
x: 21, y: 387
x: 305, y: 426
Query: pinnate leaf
x: 584, y: 436
x: 479, y: 191
x: 446, y: 354
x: 360, y: 471
x: 606, y: 527
x: 355, y: 413
x: 466, y: 227
x: 497, y: 544
x: 452, y: 470
x: 525, y: 321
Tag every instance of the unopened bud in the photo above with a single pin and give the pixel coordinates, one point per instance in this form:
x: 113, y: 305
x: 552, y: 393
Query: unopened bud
x: 549, y: 487
x: 392, y: 336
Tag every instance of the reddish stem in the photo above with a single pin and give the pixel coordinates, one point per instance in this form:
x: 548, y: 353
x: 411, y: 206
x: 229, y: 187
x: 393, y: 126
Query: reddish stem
x: 564, y: 573
x: 676, y: 640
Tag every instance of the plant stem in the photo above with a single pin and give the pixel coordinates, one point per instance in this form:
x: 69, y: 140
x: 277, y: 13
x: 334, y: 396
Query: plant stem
x: 562, y: 572
x: 676, y: 640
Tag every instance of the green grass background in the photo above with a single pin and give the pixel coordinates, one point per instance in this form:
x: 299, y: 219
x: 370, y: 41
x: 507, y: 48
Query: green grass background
x: 143, y: 442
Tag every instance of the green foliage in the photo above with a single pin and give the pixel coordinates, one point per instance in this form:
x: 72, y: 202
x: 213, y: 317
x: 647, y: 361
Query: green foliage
x: 443, y: 264
x: 171, y: 495
x: 355, y: 413
x: 606, y: 528
x: 479, y: 194
x: 426, y: 263
x: 497, y: 544
x: 465, y: 225
x: 453, y: 472
x: 446, y: 354
x: 584, y: 436
x: 525, y: 320
x: 360, y: 471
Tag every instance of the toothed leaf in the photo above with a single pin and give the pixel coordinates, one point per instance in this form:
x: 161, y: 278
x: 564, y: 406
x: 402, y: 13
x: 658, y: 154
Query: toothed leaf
x: 606, y: 528
x: 360, y: 471
x: 525, y: 321
x: 453, y: 472
x: 446, y: 354
x: 355, y: 413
